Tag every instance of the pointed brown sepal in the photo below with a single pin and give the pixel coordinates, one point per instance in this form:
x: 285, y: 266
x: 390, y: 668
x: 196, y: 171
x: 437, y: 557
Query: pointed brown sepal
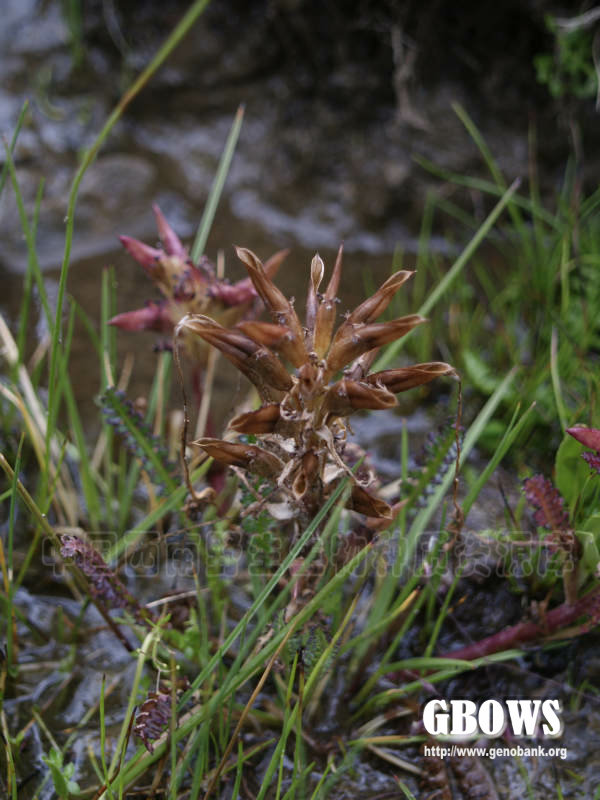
x: 361, y: 366
x: 317, y: 269
x: 374, y: 306
x: 152, y: 317
x: 403, y: 378
x: 263, y: 420
x: 265, y: 333
x: 170, y: 241
x: 307, y: 383
x: 377, y: 524
x: 278, y: 305
x: 351, y: 341
x: 148, y: 257
x: 364, y: 502
x: 272, y: 264
x: 346, y: 396
x: 257, y: 363
x: 325, y: 318
x: 306, y: 474
x: 247, y: 456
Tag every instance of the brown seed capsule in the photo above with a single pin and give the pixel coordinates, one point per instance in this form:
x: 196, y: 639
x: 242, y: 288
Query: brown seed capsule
x: 257, y: 363
x: 277, y: 303
x: 361, y: 366
x: 306, y: 474
x: 346, y: 396
x: 403, y: 378
x: 248, y: 456
x: 352, y: 341
x: 374, y: 306
x: 366, y: 503
x: 263, y: 420
x: 265, y: 333
x: 325, y: 318
x: 317, y: 269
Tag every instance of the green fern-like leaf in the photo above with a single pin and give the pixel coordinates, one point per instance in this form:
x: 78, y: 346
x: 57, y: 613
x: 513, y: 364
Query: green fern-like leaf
x: 440, y: 452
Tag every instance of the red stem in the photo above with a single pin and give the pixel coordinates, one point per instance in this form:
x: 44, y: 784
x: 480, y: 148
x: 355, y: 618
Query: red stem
x: 522, y: 632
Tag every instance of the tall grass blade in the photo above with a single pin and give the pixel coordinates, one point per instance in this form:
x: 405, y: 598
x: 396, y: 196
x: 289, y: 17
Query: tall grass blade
x: 390, y: 352
x: 215, y: 193
x: 11, y: 147
x: 424, y: 516
x: 167, y: 48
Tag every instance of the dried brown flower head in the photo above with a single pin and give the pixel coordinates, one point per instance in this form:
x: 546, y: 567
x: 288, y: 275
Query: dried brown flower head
x: 187, y: 288
x: 301, y: 424
x: 104, y: 584
x: 152, y: 718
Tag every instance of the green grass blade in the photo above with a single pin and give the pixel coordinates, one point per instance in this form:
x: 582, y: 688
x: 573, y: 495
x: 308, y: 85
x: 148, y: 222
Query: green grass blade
x: 171, y: 503
x: 390, y: 352
x: 277, y: 576
x: 511, y: 433
x: 141, y: 440
x: 9, y: 556
x: 143, y: 760
x: 33, y: 262
x: 556, y: 387
x: 30, y: 276
x: 90, y: 491
x: 490, y: 188
x: 215, y: 193
x: 495, y: 172
x: 13, y: 142
x: 424, y: 516
x: 181, y: 29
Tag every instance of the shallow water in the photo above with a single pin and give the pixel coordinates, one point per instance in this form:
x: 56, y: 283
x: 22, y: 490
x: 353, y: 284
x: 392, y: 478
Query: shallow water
x: 309, y: 171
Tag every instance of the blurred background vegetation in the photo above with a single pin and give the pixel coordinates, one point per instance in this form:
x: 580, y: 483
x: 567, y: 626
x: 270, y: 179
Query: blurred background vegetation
x: 350, y: 134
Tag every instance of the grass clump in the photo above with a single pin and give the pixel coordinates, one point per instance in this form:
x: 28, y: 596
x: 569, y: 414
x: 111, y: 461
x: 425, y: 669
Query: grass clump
x: 529, y: 301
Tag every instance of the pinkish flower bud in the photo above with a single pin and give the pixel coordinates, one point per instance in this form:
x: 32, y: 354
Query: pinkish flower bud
x: 147, y: 256
x: 152, y: 317
x: 171, y: 242
x: 589, y: 437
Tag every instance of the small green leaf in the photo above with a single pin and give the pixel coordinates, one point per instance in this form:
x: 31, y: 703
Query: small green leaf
x: 61, y: 774
x: 589, y: 536
x: 571, y: 470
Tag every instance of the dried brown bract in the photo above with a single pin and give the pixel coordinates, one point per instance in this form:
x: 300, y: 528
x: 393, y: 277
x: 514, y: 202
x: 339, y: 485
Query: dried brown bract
x: 302, y: 422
